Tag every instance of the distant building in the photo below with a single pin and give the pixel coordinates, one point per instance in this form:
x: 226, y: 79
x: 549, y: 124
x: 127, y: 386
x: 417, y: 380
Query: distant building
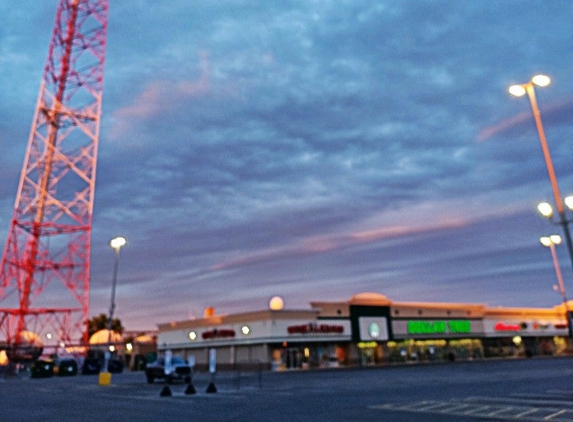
x: 368, y: 329
x: 140, y: 348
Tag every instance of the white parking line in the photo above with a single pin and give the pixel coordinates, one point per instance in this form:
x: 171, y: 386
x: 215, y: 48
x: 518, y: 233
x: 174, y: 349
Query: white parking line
x: 501, y: 409
x: 495, y: 411
x: 527, y: 412
x: 478, y: 410
x: 433, y: 406
x: 549, y: 417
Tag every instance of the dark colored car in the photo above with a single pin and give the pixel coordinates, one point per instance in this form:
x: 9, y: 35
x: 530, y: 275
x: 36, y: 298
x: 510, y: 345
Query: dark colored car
x: 94, y: 365
x: 42, y: 368
x: 91, y: 366
x: 66, y: 367
x: 180, y: 370
x: 115, y: 366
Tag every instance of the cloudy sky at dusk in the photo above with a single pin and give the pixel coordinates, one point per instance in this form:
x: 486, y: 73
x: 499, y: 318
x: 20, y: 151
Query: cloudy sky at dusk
x: 312, y: 149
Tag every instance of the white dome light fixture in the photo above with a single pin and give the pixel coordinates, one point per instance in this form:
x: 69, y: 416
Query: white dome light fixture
x: 276, y: 303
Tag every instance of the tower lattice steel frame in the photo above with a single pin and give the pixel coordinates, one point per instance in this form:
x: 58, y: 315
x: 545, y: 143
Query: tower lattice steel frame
x: 45, y: 269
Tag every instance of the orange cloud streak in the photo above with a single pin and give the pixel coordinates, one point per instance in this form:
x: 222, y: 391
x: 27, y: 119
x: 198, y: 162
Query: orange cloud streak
x: 159, y: 96
x: 504, y: 125
x: 509, y: 123
x: 325, y: 244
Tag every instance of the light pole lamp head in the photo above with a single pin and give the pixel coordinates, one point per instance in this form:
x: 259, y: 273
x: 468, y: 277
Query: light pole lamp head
x: 520, y: 90
x: 541, y: 80
x: 517, y: 90
x: 117, y: 243
x: 545, y: 209
x: 554, y: 239
x: 569, y: 202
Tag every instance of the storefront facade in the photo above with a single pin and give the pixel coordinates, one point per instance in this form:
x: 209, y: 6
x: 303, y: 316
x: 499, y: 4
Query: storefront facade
x: 283, y: 339
x: 528, y: 331
x: 367, y: 330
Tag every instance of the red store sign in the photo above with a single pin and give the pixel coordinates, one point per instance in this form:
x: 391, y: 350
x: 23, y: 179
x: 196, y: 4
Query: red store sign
x: 315, y: 329
x: 502, y: 326
x: 218, y: 334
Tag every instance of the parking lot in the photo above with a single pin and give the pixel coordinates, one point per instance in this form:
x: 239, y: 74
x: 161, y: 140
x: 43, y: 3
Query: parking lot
x: 532, y: 389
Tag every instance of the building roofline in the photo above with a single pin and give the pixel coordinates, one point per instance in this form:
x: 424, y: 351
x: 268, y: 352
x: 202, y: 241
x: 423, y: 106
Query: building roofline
x: 240, y: 318
x: 360, y: 299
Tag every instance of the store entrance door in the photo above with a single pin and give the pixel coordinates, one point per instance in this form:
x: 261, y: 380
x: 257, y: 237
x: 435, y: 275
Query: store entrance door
x: 292, y: 358
x: 367, y: 356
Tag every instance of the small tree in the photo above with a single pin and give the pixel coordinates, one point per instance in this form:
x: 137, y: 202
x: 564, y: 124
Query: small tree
x: 101, y: 322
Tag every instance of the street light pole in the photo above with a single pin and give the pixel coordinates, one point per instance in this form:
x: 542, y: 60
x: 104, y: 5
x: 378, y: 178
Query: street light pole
x: 528, y: 88
x: 547, y: 211
x: 550, y: 242
x: 546, y: 154
x: 116, y: 244
x: 562, y: 219
x: 519, y: 91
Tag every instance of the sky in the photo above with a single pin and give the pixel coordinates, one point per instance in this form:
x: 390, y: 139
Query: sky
x: 312, y: 149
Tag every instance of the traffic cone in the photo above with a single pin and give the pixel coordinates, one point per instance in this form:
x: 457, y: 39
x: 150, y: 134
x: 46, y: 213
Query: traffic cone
x: 211, y: 388
x: 190, y: 388
x: 166, y: 391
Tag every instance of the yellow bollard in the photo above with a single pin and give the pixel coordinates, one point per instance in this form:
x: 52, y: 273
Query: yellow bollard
x: 104, y: 378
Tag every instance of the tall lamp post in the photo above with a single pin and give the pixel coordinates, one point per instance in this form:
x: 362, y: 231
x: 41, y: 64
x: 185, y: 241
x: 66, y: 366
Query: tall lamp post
x: 545, y: 208
x: 551, y: 242
x: 116, y: 243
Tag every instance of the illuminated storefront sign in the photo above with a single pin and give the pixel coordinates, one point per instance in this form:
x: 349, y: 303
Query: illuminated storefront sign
x: 455, y: 326
x: 373, y: 328
x: 510, y: 328
x: 538, y: 326
x: 213, y: 334
x: 315, y: 329
x: 503, y: 326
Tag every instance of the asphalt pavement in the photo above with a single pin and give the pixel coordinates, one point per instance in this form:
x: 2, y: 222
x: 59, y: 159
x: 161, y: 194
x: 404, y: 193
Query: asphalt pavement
x: 537, y: 389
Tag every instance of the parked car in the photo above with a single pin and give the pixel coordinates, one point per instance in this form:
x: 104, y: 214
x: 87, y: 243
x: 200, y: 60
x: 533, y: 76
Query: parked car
x: 115, y: 366
x: 94, y: 365
x: 42, y: 368
x: 65, y: 367
x: 180, y: 370
x: 91, y: 366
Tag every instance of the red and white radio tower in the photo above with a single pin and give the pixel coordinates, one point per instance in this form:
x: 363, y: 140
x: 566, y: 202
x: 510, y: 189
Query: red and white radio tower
x: 45, y: 272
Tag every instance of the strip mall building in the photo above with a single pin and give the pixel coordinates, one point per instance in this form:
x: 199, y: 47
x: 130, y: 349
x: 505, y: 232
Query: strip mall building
x: 368, y: 329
